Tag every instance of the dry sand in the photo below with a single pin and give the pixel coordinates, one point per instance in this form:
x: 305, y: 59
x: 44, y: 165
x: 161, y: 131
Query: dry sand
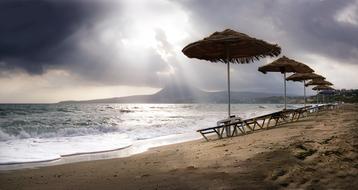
x: 317, y: 152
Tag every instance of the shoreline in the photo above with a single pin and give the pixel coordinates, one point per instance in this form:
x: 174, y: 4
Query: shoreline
x: 138, y: 147
x: 44, y: 145
x: 45, y: 158
x: 319, y: 152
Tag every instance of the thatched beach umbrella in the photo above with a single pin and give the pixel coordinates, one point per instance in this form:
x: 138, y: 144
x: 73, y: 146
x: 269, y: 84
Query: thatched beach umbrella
x: 321, y: 87
x: 319, y: 82
x: 303, y: 77
x: 285, y: 65
x: 228, y: 47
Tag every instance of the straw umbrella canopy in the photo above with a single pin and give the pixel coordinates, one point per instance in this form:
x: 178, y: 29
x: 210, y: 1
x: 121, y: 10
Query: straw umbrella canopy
x: 285, y: 65
x: 303, y: 77
x: 321, y: 87
x: 318, y: 82
x: 228, y: 47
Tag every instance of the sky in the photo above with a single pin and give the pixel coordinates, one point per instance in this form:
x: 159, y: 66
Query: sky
x: 76, y: 50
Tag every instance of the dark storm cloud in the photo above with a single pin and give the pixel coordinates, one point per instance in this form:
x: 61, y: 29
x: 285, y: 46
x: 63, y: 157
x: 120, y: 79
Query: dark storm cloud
x: 31, y: 32
x: 313, y: 26
x: 298, y: 26
x: 301, y: 28
x: 105, y: 66
x: 48, y: 34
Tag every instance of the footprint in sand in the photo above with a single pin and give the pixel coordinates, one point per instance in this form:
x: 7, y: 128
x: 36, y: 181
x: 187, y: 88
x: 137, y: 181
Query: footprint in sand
x: 191, y: 168
x: 301, y: 152
x: 144, y: 175
x: 278, y: 173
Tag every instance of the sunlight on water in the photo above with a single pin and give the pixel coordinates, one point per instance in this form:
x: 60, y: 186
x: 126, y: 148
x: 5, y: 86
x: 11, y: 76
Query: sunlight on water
x: 31, y: 133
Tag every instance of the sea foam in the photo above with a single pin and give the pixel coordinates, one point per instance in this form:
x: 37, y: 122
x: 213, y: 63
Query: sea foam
x: 48, y: 149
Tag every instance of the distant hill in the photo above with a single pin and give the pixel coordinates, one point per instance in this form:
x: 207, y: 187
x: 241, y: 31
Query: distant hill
x: 189, y: 94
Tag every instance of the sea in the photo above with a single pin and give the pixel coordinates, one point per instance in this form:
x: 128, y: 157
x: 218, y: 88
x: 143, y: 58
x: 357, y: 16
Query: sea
x: 32, y: 133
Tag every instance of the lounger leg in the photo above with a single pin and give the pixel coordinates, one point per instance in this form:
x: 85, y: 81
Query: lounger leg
x: 293, y: 116
x: 204, y: 136
x: 276, y: 121
x: 228, y: 131
x: 283, y: 118
x: 248, y: 126
x: 258, y: 124
x: 254, y: 126
x: 268, y: 123
x: 242, y: 129
x: 218, y: 133
x: 263, y: 123
x: 222, y: 133
x: 234, y: 132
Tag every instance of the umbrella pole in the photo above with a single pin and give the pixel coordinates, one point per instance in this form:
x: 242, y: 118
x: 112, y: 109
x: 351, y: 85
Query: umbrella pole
x: 228, y: 81
x: 228, y: 88
x: 228, y: 129
x: 284, y: 84
x: 317, y: 97
x: 304, y: 90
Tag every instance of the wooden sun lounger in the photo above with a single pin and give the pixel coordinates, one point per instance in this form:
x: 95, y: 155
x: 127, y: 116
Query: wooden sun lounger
x: 331, y: 106
x: 235, y: 127
x: 245, y: 126
x: 260, y: 122
x: 316, y: 108
x: 334, y: 106
x: 219, y: 130
x: 299, y: 112
x: 319, y: 108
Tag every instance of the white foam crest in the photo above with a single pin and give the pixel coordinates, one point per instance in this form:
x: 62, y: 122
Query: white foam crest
x: 46, y: 149
x: 4, y: 136
x: 62, y: 132
x: 143, y: 145
x: 21, y: 135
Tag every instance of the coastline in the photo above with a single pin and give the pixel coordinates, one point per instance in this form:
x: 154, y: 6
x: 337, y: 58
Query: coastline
x: 319, y: 151
x: 138, y: 147
x: 55, y: 147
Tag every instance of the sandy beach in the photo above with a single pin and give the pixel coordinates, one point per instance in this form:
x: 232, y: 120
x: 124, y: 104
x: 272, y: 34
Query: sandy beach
x: 317, y: 152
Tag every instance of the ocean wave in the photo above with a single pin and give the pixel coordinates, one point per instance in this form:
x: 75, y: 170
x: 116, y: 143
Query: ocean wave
x: 64, y: 110
x: 125, y: 111
x: 42, y: 132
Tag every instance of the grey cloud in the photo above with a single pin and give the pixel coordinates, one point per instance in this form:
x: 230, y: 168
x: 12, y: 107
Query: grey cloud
x: 303, y: 26
x: 299, y: 27
x: 32, y: 32
x: 103, y: 69
x: 48, y: 34
x: 161, y: 37
x: 313, y: 27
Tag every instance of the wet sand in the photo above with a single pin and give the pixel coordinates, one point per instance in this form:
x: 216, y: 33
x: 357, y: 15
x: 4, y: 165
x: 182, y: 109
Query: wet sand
x: 317, y: 152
